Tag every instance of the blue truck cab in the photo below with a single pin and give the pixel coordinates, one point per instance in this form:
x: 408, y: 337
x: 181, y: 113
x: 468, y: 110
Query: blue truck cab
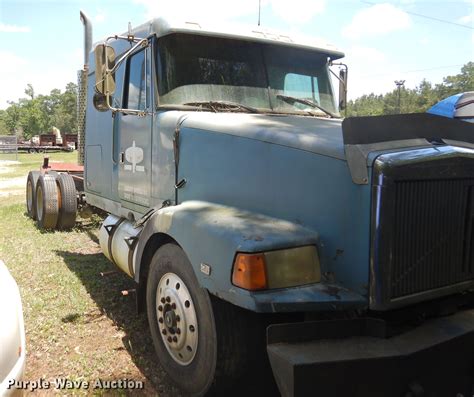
x: 259, y: 224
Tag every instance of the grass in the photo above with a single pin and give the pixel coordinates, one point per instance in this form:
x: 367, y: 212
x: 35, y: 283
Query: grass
x: 78, y: 325
x: 33, y: 162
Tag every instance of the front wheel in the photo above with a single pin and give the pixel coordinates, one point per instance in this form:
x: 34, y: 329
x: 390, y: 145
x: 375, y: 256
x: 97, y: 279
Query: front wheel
x: 201, y: 342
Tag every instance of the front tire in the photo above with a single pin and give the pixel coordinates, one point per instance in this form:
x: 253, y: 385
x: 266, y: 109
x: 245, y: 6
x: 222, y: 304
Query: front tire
x: 213, y: 333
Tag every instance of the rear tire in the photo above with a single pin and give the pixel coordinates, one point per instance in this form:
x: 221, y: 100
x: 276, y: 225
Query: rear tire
x: 224, y: 349
x: 47, y: 203
x: 31, y: 183
x: 68, y: 202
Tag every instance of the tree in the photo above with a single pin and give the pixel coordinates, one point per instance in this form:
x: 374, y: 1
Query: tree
x: 416, y: 100
x: 30, y: 91
x: 12, y: 117
x: 38, y: 114
x: 65, y: 112
x: 3, y: 125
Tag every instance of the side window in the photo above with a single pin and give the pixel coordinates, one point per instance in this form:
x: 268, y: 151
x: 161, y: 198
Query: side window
x: 301, y: 86
x: 137, y: 82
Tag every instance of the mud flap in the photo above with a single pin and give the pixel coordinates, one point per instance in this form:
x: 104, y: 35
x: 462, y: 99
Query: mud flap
x: 348, y: 357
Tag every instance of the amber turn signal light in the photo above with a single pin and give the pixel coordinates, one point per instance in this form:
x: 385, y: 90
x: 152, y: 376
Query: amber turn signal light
x: 249, y: 272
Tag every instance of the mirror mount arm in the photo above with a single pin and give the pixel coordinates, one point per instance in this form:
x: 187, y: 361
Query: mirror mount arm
x: 138, y: 43
x: 110, y: 72
x: 139, y: 113
x: 342, y: 83
x: 335, y: 75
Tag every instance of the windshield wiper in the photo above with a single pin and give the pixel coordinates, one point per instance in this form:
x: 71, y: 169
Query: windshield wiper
x: 214, y: 105
x: 291, y: 100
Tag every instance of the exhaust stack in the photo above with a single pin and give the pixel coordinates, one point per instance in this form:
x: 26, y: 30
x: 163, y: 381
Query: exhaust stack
x: 87, y: 38
x: 82, y: 88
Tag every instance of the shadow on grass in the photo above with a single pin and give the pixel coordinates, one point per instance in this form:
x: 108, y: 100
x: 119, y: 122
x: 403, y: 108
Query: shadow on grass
x: 89, y: 227
x: 122, y: 310
x: 105, y: 291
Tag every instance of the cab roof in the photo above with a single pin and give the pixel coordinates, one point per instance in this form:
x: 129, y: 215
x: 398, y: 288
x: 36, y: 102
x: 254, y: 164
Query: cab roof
x: 163, y: 27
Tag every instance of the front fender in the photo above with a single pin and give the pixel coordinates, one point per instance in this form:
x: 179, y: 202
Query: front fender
x: 211, y: 234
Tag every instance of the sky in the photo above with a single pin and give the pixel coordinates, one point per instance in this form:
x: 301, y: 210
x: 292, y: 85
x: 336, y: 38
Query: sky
x: 42, y: 41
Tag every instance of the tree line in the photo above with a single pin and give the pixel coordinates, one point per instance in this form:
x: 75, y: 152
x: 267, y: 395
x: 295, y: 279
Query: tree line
x: 38, y: 114
x: 413, y: 100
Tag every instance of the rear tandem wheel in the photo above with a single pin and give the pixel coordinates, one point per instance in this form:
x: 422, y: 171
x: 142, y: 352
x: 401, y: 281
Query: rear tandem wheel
x: 67, y: 202
x: 47, y: 202
x: 31, y: 183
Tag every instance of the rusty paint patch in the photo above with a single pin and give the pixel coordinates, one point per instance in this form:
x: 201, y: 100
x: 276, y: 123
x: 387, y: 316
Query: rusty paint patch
x: 332, y: 291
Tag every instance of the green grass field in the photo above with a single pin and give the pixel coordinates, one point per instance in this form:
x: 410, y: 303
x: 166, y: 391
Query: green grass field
x: 78, y: 324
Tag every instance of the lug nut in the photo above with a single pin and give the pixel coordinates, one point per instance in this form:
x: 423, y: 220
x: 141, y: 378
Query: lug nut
x: 163, y: 300
x: 175, y: 339
x: 163, y: 331
x: 160, y: 308
x: 191, y: 328
x: 168, y: 299
x: 160, y: 320
x: 178, y: 318
x: 178, y: 331
x: 173, y: 306
x: 170, y: 339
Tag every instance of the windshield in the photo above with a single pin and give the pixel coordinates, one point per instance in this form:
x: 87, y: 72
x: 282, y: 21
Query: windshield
x: 193, y: 69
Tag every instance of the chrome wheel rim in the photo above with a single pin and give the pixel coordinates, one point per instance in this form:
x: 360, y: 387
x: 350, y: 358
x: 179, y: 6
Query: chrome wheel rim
x: 29, y: 195
x: 39, y: 203
x: 176, y: 317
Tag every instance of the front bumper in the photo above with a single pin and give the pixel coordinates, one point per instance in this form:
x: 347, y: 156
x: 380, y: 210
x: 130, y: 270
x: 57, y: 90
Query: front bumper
x: 347, y: 358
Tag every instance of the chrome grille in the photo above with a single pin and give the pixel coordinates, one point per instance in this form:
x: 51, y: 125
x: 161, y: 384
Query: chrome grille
x: 433, y: 238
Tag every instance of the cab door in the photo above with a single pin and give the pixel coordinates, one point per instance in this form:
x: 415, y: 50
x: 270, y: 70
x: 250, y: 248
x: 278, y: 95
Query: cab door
x: 134, y: 185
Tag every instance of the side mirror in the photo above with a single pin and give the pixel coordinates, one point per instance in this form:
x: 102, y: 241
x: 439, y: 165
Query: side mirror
x: 342, y: 89
x: 104, y: 63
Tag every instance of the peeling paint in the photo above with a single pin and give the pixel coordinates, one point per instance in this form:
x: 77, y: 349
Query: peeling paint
x: 332, y: 291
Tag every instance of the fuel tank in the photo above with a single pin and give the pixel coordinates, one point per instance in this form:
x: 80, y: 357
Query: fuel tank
x: 118, y: 239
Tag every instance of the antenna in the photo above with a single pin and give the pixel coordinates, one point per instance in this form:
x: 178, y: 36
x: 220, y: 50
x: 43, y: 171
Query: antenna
x: 259, y: 9
x: 130, y: 36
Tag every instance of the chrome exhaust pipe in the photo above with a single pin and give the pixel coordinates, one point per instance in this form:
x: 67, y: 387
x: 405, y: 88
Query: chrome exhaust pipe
x: 87, y: 38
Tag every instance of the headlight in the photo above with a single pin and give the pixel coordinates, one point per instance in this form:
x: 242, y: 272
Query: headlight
x: 277, y: 269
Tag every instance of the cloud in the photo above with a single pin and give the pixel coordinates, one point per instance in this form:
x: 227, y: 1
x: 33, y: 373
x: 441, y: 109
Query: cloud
x: 292, y: 11
x: 465, y: 20
x: 372, y: 55
x: 198, y: 11
x: 14, y: 28
x: 376, y: 20
x: 10, y: 62
x: 99, y: 16
x: 11, y: 68
x: 362, y: 61
x: 424, y: 41
x: 16, y: 72
x: 217, y: 10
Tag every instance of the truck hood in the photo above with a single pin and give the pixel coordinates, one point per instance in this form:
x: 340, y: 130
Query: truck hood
x: 312, y: 134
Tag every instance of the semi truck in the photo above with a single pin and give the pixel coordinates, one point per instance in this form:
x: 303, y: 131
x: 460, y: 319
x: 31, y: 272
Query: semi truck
x: 270, y: 238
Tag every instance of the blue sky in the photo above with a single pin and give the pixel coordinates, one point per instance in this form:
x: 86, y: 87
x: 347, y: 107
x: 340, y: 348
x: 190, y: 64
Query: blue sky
x: 41, y: 41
